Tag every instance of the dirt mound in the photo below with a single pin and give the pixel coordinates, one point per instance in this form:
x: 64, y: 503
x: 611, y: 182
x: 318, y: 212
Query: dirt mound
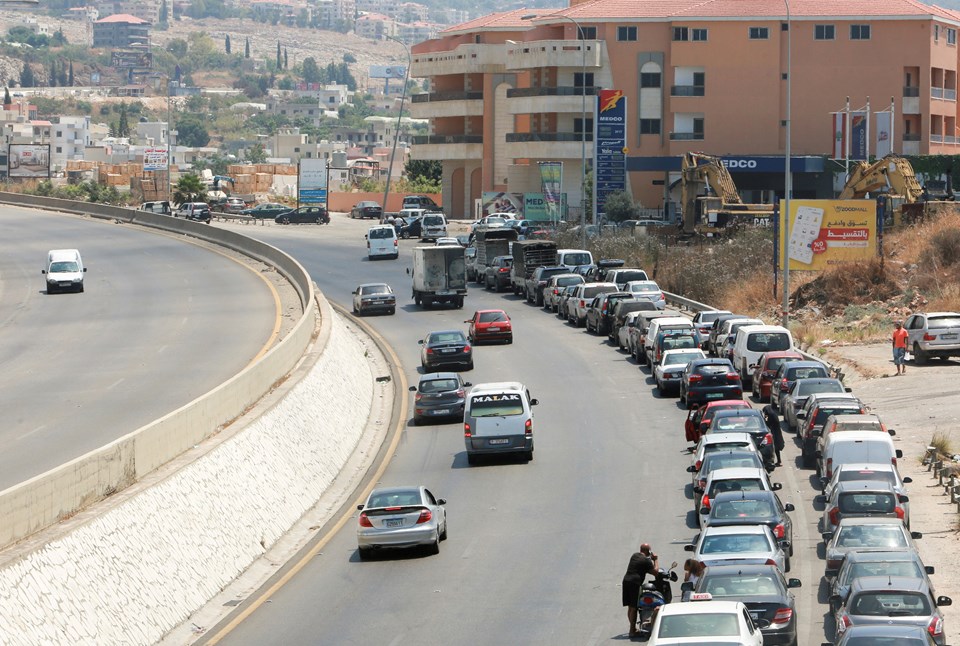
x: 852, y: 284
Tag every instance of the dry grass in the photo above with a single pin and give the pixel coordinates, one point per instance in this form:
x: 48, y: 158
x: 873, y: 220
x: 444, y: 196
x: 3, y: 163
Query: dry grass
x: 941, y: 441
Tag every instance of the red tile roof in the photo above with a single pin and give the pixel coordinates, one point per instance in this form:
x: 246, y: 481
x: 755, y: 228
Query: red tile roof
x: 504, y: 20
x: 125, y: 18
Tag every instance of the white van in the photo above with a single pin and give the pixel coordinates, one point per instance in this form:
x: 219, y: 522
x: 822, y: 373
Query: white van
x: 498, y: 418
x: 662, y: 323
x: 64, y: 271
x: 754, y: 340
x: 573, y: 258
x: 382, y: 242
x: 433, y: 226
x: 856, y: 447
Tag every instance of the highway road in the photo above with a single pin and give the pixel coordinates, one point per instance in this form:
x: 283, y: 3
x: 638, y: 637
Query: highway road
x: 161, y: 322
x: 536, y: 551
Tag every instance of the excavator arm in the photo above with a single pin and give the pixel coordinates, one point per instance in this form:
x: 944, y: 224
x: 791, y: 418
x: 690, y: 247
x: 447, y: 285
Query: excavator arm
x: 892, y: 173
x: 699, y: 171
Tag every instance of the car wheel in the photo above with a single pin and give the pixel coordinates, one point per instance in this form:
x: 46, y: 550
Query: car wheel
x: 919, y: 356
x: 364, y: 553
x: 443, y: 534
x: 471, y: 459
x: 284, y: 220
x: 405, y: 235
x: 393, y: 310
x: 581, y: 322
x: 317, y: 220
x: 509, y: 339
x: 808, y: 459
x: 470, y: 365
x: 528, y: 455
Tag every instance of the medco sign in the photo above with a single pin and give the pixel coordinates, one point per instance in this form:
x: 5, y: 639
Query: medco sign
x: 744, y: 164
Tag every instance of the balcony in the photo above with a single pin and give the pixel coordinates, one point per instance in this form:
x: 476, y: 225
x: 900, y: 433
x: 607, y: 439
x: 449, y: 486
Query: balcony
x: 554, y: 53
x: 911, y: 90
x: 535, y: 100
x: 936, y: 138
x: 686, y: 90
x: 548, y: 145
x: 446, y: 104
x: 447, y: 147
x: 911, y: 136
x: 686, y: 136
x: 949, y: 94
x: 465, y: 59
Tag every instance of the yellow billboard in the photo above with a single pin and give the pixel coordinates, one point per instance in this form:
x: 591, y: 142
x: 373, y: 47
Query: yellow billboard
x: 825, y: 233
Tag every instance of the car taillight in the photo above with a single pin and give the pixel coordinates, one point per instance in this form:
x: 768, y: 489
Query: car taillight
x: 900, y: 513
x: 418, y: 397
x: 835, y: 516
x: 425, y: 516
x: 394, y: 243
x: 935, y: 627
x: 461, y: 393
x: 528, y: 427
x: 364, y: 521
x: 784, y: 385
x: 604, y: 308
x: 368, y: 244
x: 893, y: 461
x: 770, y: 562
x: 705, y: 501
x: 783, y: 616
x: 556, y: 292
x: 581, y: 303
x: 695, y: 378
x: 829, y: 468
x: 733, y: 376
x: 466, y: 348
x: 466, y: 430
x: 845, y: 623
x: 929, y: 337
x: 780, y: 531
x: 504, y: 270
x: 429, y: 350
x: 767, y: 440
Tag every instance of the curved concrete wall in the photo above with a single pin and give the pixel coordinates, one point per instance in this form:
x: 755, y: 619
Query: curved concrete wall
x: 50, y: 497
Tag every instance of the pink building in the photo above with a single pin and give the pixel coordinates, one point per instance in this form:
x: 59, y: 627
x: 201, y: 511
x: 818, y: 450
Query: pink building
x: 507, y: 90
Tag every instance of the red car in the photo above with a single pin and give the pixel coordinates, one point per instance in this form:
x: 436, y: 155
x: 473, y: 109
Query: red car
x: 699, y: 418
x: 766, y: 367
x: 490, y: 325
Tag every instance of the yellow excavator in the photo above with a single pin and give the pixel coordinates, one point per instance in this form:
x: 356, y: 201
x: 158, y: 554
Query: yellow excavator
x: 708, y: 214
x: 893, y: 180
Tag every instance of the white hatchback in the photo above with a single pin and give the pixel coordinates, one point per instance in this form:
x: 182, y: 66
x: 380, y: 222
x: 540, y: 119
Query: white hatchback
x: 703, y: 621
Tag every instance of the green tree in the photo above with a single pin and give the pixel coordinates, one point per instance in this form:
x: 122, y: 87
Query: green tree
x: 52, y: 77
x: 256, y: 154
x: 191, y: 132
x: 189, y: 188
x: 619, y: 207
x: 286, y: 61
x: 423, y: 169
x: 226, y: 43
x: 246, y: 49
x: 349, y: 58
x: 178, y: 47
x: 62, y: 76
x: 58, y: 40
x: 123, y: 127
x: 279, y: 57
x: 310, y: 70
x: 70, y: 78
x: 6, y: 96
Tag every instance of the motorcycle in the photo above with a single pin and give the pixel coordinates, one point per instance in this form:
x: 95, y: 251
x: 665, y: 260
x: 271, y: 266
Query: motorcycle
x: 654, y: 594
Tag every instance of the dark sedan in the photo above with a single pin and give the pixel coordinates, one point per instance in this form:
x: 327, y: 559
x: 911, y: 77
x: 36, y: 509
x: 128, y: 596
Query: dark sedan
x: 446, y: 348
x: 765, y: 593
x: 304, y: 215
x: 751, y: 508
x: 705, y: 380
x: 366, y: 209
x: 266, y: 210
x: 747, y: 420
x: 789, y: 373
x: 439, y: 394
x: 797, y: 397
x: 374, y: 297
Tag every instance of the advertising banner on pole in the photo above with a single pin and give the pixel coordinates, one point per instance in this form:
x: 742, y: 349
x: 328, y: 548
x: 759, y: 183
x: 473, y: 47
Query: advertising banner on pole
x: 155, y: 158
x: 884, y: 144
x: 825, y: 233
x: 536, y: 208
x: 858, y: 135
x: 609, y: 150
x: 312, y: 181
x: 551, y: 179
x: 839, y: 134
x: 28, y: 160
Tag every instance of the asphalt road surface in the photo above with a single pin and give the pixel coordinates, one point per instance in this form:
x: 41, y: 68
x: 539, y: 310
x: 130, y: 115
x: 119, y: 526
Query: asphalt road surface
x: 536, y: 551
x: 160, y: 323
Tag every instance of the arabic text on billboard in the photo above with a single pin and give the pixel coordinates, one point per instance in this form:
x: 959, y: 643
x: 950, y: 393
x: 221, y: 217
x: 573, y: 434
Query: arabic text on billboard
x: 154, y: 159
x: 28, y: 160
x: 825, y: 233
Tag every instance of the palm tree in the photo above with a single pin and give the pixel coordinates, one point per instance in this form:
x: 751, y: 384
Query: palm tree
x: 189, y: 188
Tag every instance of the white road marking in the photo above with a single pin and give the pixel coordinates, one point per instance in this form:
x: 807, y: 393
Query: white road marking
x: 396, y: 640
x: 39, y: 428
x: 469, y: 550
x: 116, y: 383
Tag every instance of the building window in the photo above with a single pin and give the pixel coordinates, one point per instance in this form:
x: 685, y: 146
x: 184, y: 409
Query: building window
x: 59, y: 149
x: 59, y: 133
x: 681, y: 33
x: 650, y: 79
x: 698, y: 127
x: 824, y: 32
x: 626, y: 33
x: 649, y: 126
x: 699, y: 79
x: 698, y: 35
x: 859, y: 32
x: 759, y: 33
x: 578, y: 126
x: 951, y: 36
x: 936, y: 33
x: 579, y: 78
x: 588, y: 33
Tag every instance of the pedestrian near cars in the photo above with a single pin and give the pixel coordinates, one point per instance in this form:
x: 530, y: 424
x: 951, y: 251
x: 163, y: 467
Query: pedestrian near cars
x: 772, y: 418
x: 641, y: 563
x: 899, y: 348
x: 693, y: 570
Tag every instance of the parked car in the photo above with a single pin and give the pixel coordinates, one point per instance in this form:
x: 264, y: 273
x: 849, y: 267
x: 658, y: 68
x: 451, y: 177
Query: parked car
x: 638, y: 338
x: 901, y: 562
x: 763, y: 590
x: 374, y: 297
x: 813, y: 417
x: 705, y: 622
x: 890, y: 600
x: 160, y: 207
x: 708, y: 379
x: 267, y: 210
x: 669, y: 371
x: 704, y: 319
x: 728, y: 328
x: 884, y: 472
x: 538, y: 280
x: 613, y: 271
x: 228, y: 205
x: 869, y: 498
x: 448, y: 241
x: 717, y: 325
x: 625, y: 329
x: 752, y: 508
x: 445, y: 348
x: 367, y: 209
x: 433, y: 225
x: 304, y: 215
x: 865, y: 535
x: 554, y: 288
x: 754, y: 340
x: 746, y: 420
x: 789, y: 372
x: 672, y: 340
x: 421, y: 202
x: 733, y: 479
x: 401, y: 517
x: 439, y: 395
x: 856, y: 447
x: 699, y: 417
x: 891, y: 634
x: 497, y: 274
x: 842, y: 423
x: 411, y: 227
x: 764, y: 370
x: 649, y: 290
x: 581, y: 298
x: 795, y: 400
x: 563, y: 310
x: 933, y: 334
x: 490, y: 325
x: 622, y: 309
x: 743, y: 545
x: 597, y: 318
x: 733, y: 451
x: 659, y: 324
x: 196, y: 211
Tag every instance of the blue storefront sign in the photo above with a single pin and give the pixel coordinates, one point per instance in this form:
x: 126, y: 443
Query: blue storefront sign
x: 313, y: 195
x: 735, y: 164
x: 610, y: 137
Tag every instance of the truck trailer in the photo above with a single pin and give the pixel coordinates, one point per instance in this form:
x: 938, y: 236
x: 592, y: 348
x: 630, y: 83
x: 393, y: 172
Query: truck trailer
x: 439, y: 276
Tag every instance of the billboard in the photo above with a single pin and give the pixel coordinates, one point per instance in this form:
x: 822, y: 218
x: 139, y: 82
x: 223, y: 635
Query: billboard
x: 128, y: 60
x: 494, y: 202
x: 826, y: 233
x: 551, y: 179
x: 28, y: 160
x: 609, y: 151
x: 312, y: 181
x: 388, y: 72
x: 537, y: 207
x: 155, y: 158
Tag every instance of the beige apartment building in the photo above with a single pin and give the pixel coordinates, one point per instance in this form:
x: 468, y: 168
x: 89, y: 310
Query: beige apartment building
x: 512, y: 89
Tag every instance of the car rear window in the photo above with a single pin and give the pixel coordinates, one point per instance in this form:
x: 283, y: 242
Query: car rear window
x: 576, y: 259
x: 863, y: 502
x: 885, y: 568
x: 446, y: 337
x: 713, y: 369
x: 496, y: 405
x: 745, y: 508
x: 824, y: 413
x: 590, y: 292
x: 735, y: 484
x: 734, y: 543
x: 627, y: 275
x: 871, y: 536
x: 852, y: 475
x: 741, y: 585
x: 375, y: 289
x: 681, y: 358
x: 438, y: 385
x: 768, y: 342
x: 701, y: 624
x: 890, y: 604
x: 739, y: 424
x: 819, y: 387
x: 378, y: 234
x: 395, y: 499
x: 569, y: 280
x: 936, y: 322
x: 490, y: 317
x: 810, y: 372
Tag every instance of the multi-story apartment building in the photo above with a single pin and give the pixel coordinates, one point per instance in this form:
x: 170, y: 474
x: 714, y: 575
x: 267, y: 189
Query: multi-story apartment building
x: 416, y: 32
x: 376, y: 26
x: 148, y: 10
x: 511, y: 89
x: 120, y: 30
x: 70, y: 137
x: 330, y: 13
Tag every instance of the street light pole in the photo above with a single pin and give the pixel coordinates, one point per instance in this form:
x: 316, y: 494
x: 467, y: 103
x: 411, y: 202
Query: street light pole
x: 787, y: 185
x: 396, y: 135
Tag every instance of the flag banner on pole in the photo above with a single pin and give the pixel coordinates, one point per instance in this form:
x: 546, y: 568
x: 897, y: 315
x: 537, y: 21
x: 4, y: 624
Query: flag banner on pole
x: 551, y: 177
x: 884, y: 142
x: 839, y: 134
x: 858, y: 135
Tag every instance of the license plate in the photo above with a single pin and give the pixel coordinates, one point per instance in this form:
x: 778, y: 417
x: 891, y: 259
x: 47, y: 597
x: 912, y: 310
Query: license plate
x: 496, y: 329
x: 442, y: 411
x: 755, y: 616
x: 500, y: 441
x: 393, y: 523
x: 714, y: 395
x: 448, y: 350
x: 948, y: 337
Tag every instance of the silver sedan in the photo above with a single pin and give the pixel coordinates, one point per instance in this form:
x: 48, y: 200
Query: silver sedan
x: 740, y: 544
x: 399, y: 517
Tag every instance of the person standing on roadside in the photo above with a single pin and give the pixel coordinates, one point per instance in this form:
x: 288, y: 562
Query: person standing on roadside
x: 899, y: 348
x: 641, y: 564
x: 772, y: 418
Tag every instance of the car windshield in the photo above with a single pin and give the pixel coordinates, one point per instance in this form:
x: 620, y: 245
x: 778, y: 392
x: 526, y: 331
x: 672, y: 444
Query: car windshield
x: 491, y: 317
x: 706, y: 624
x: 810, y: 388
x: 681, y: 358
x: 496, y: 405
x: 871, y: 536
x: 63, y: 266
x: 720, y: 446
x: 379, y: 234
x: 768, y: 342
x: 375, y: 289
x: 890, y: 604
x: 735, y: 544
x: 809, y: 372
x: 439, y: 385
x: 867, y: 503
x: 884, y: 568
x: 713, y: 368
x: 446, y: 337
x: 741, y: 585
x: 738, y: 423
x: 744, y: 508
x: 938, y: 322
x: 576, y: 259
x: 394, y: 499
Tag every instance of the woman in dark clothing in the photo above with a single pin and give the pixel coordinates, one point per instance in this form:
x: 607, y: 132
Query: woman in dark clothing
x: 641, y: 563
x: 772, y: 418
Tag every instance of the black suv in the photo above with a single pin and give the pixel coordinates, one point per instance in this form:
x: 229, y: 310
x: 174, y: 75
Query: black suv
x: 536, y: 282
x: 498, y: 273
x: 421, y: 202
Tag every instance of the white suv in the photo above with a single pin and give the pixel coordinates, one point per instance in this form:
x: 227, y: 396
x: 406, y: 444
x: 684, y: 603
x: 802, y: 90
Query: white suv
x: 933, y: 334
x: 580, y: 301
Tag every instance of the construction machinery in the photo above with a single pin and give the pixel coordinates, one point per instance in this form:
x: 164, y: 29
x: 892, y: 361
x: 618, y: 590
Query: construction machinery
x: 711, y: 214
x: 893, y: 182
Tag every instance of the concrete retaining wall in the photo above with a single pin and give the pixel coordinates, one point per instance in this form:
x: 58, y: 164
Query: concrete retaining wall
x: 50, y: 497
x: 131, y: 574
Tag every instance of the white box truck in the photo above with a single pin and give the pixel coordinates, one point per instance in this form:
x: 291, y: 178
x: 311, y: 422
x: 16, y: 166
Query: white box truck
x: 439, y: 276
